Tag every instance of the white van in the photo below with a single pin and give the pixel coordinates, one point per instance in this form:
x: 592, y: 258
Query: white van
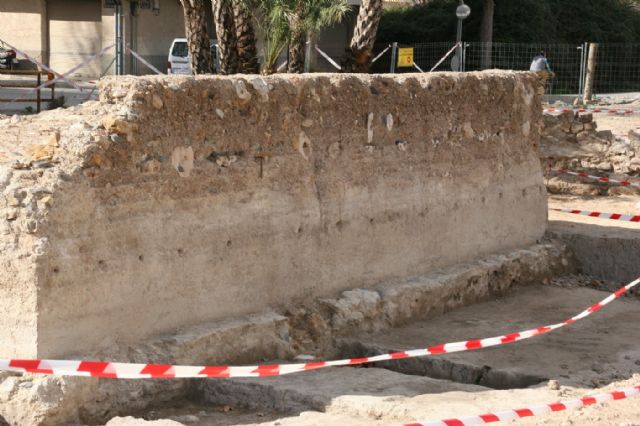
x: 178, y: 62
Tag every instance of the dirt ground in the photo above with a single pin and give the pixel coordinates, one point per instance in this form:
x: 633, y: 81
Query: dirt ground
x: 599, y: 354
x: 596, y: 355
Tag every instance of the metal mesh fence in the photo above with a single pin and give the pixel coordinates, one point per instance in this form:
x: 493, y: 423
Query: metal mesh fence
x: 427, y: 55
x: 564, y: 59
x: 617, y: 68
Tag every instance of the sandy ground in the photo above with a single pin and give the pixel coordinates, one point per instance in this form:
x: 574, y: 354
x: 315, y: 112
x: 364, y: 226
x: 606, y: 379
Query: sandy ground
x: 597, y: 355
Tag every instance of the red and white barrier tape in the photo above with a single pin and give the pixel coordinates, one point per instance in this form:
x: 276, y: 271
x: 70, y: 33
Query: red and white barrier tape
x: 141, y: 59
x: 612, y: 216
x: 328, y: 58
x: 598, y: 178
x: 43, y: 66
x: 116, y: 370
x: 446, y: 55
x: 535, y: 410
x: 379, y: 55
x: 71, y: 71
x: 620, y: 111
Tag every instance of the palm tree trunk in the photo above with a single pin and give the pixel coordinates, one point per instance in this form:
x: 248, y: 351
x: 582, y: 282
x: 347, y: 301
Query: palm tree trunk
x: 246, y: 43
x: 295, y: 62
x: 486, y: 33
x: 198, y: 40
x: 226, y: 36
x: 364, y: 36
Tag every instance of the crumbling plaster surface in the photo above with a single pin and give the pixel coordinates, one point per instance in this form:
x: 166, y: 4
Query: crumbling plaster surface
x: 177, y: 201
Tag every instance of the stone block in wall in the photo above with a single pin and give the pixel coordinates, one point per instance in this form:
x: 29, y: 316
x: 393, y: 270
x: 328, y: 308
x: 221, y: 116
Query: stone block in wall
x: 585, y: 117
x: 577, y: 127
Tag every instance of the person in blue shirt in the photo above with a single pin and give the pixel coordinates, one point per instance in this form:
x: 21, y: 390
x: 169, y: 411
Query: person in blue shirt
x: 540, y: 65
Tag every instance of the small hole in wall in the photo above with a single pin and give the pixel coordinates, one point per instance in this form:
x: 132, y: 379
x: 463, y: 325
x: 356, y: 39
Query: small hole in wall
x: 228, y: 243
x: 371, y: 221
x: 102, y: 265
x: 180, y: 251
x: 339, y: 225
x: 56, y: 270
x: 141, y: 258
x: 524, y: 192
x: 500, y: 195
x: 483, y: 199
x: 300, y: 230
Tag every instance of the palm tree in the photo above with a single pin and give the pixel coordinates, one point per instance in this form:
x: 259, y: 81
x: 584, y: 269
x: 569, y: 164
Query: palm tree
x: 246, y: 43
x: 486, y: 32
x: 364, y: 36
x: 306, y: 19
x: 198, y: 40
x: 271, y: 18
x: 226, y: 36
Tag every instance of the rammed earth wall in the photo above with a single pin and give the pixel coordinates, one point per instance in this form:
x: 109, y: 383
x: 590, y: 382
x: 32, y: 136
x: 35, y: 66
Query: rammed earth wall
x: 176, y: 201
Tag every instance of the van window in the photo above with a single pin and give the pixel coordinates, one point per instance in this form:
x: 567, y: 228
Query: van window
x: 180, y: 49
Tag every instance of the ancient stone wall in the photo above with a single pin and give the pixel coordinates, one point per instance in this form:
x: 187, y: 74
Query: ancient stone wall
x: 175, y: 201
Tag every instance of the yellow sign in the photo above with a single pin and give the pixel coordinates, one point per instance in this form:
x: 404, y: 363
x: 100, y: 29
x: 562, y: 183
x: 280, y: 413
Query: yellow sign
x: 405, y: 57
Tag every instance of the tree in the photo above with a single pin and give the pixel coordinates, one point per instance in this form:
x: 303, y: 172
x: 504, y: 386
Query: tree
x: 486, y: 32
x: 271, y: 19
x: 364, y: 36
x: 198, y: 40
x: 226, y: 36
x: 246, y: 43
x: 291, y: 22
x: 306, y: 19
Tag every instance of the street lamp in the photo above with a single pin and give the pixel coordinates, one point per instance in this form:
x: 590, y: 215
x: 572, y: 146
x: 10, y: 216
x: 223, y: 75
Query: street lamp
x: 462, y: 12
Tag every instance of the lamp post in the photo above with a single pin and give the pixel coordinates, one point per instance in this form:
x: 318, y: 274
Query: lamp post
x: 462, y: 12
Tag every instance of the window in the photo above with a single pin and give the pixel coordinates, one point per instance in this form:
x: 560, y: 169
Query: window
x: 180, y: 49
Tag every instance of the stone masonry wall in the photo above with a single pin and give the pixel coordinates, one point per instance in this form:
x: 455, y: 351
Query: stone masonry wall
x: 175, y: 201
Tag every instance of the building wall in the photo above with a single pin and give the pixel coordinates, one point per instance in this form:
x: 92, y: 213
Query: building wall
x: 22, y: 24
x: 153, y: 44
x: 74, y: 35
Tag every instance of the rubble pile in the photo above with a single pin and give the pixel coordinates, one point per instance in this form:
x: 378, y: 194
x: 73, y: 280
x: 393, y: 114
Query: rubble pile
x: 572, y: 141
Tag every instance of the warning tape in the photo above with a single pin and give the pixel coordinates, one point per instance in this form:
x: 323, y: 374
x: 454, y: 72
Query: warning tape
x: 72, y: 70
x: 612, y: 216
x: 328, y: 58
x: 446, y: 55
x: 380, y: 54
x: 141, y: 59
x: 598, y: 178
x: 620, y: 111
x: 116, y: 370
x: 41, y: 65
x: 535, y: 410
